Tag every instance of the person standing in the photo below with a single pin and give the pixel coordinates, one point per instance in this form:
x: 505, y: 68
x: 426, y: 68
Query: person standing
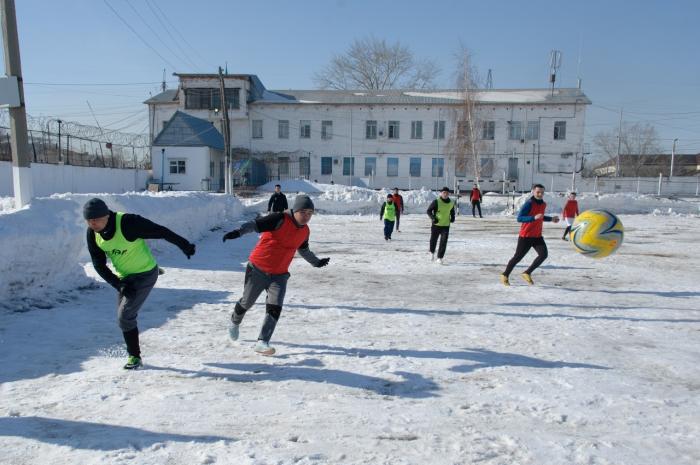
x: 283, y: 234
x: 531, y: 216
x: 475, y: 198
x: 389, y: 214
x: 398, y: 201
x: 120, y: 236
x: 441, y: 212
x: 278, y: 201
x: 569, y: 214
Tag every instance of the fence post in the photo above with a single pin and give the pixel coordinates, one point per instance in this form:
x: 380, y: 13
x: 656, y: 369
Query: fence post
x: 697, y: 186
x: 659, y: 191
x: 637, y: 184
x: 595, y: 185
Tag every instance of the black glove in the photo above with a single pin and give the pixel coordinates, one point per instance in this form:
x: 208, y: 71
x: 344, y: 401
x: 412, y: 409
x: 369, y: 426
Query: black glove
x: 188, y: 250
x: 323, y: 262
x: 123, y: 289
x: 435, y: 221
x: 235, y: 234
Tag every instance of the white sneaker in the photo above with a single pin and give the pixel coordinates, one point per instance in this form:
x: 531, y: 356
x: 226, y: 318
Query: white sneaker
x: 263, y: 348
x: 233, y: 332
x: 439, y: 261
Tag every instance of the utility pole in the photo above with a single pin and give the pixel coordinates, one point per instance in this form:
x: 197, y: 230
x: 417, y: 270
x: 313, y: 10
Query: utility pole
x: 619, y: 143
x: 227, y: 136
x: 673, y: 154
x: 21, y: 162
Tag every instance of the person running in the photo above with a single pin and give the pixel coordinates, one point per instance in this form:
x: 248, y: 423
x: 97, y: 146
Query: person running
x: 532, y: 216
x: 389, y: 214
x: 120, y: 236
x: 475, y: 198
x: 398, y: 201
x: 441, y: 212
x: 278, y: 201
x: 283, y: 234
x: 569, y: 214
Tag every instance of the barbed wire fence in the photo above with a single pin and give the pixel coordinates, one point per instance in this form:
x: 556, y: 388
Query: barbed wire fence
x: 57, y: 141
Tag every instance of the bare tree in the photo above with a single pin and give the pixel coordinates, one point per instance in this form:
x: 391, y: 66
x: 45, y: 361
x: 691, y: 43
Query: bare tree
x: 373, y: 64
x: 637, y: 143
x: 465, y: 144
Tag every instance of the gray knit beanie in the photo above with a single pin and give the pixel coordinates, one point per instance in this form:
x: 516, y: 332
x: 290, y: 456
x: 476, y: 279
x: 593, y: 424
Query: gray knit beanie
x: 95, y: 208
x: 302, y: 202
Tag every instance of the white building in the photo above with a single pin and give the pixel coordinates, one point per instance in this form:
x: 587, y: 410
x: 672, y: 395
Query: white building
x: 386, y: 138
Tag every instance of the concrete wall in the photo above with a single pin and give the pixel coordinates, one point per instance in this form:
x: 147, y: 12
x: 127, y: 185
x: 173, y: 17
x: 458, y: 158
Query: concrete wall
x: 55, y: 179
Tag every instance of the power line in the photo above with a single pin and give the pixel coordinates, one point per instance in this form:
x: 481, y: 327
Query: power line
x: 139, y: 35
x: 165, y: 28
x: 154, y: 32
x: 96, y: 84
x: 177, y: 31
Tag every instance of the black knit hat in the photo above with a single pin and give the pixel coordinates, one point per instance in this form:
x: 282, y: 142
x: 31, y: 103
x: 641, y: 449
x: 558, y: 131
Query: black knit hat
x: 302, y: 202
x: 95, y: 208
x: 445, y: 189
x: 389, y: 196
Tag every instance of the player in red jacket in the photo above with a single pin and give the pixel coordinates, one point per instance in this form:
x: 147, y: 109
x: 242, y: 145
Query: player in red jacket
x: 569, y: 213
x: 475, y: 198
x: 283, y: 235
x: 398, y: 201
x: 531, y: 216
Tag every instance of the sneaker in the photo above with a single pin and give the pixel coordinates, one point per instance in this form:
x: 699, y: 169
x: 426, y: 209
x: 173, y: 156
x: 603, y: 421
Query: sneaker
x: 263, y: 348
x: 504, y: 280
x: 527, y: 278
x: 233, y: 332
x: 439, y: 261
x: 132, y: 363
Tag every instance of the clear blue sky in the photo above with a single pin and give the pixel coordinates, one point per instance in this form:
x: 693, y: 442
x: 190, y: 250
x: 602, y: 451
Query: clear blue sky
x: 640, y: 55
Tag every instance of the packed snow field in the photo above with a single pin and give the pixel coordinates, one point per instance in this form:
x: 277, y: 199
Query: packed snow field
x: 383, y: 357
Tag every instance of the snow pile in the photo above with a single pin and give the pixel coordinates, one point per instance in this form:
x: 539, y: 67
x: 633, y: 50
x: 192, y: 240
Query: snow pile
x: 44, y: 243
x: 7, y: 204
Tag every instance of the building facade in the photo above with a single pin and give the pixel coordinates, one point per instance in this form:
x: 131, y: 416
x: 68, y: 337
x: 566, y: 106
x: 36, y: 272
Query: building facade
x: 390, y: 138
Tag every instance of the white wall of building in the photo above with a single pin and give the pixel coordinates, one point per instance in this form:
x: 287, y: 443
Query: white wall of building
x: 50, y: 179
x: 197, y: 175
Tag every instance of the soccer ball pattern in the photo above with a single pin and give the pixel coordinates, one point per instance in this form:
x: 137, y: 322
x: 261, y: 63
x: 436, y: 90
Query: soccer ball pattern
x: 597, y: 233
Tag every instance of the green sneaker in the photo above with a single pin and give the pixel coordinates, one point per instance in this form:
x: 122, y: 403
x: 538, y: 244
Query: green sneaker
x: 133, y: 363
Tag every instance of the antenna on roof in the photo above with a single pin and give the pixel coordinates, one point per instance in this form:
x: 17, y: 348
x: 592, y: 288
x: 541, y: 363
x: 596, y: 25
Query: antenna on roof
x: 554, y: 64
x: 489, y: 80
x: 578, y: 65
x: 226, y: 62
x: 162, y: 86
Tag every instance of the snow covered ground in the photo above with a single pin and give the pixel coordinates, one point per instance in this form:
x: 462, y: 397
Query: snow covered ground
x: 383, y: 357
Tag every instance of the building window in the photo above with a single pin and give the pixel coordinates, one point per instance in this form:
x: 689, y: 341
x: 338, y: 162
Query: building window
x: 326, y: 165
x: 486, y: 167
x: 393, y: 129
x: 533, y: 130
x: 414, y: 167
x: 461, y: 166
x: 305, y: 129
x: 209, y: 98
x: 515, y: 130
x: 326, y: 130
x: 559, y: 130
x: 283, y: 129
x: 438, y: 167
x: 178, y: 166
x: 304, y: 167
x: 392, y: 166
x: 370, y: 166
x: 370, y: 129
x: 438, y: 129
x: 348, y: 166
x: 488, y: 130
x: 257, y: 129
x: 416, y: 129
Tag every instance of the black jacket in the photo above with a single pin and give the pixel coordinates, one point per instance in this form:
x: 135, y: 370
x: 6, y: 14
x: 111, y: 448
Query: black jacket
x: 133, y: 227
x: 277, y: 203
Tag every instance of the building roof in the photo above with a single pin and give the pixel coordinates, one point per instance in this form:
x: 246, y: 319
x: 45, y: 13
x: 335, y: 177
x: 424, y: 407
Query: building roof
x: 185, y: 130
x: 424, y: 97
x: 167, y: 96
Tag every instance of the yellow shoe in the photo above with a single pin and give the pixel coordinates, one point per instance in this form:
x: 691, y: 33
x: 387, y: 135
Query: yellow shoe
x: 527, y: 278
x: 504, y: 280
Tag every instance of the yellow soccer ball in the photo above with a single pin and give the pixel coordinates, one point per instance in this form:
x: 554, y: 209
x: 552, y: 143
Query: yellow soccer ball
x: 597, y: 233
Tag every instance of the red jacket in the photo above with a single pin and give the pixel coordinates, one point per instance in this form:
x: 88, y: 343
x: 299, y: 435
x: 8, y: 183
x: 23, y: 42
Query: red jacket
x: 475, y: 195
x: 398, y: 201
x: 531, y: 227
x: 275, y: 249
x: 570, y: 209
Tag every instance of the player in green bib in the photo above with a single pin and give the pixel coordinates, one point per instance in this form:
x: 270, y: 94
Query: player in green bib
x: 388, y: 213
x: 120, y: 236
x: 441, y: 213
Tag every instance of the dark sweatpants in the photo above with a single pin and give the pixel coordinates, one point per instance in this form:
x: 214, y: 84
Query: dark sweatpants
x: 136, y: 288
x: 439, y: 231
x: 476, y: 204
x: 388, y: 228
x: 524, y: 246
x: 398, y: 218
